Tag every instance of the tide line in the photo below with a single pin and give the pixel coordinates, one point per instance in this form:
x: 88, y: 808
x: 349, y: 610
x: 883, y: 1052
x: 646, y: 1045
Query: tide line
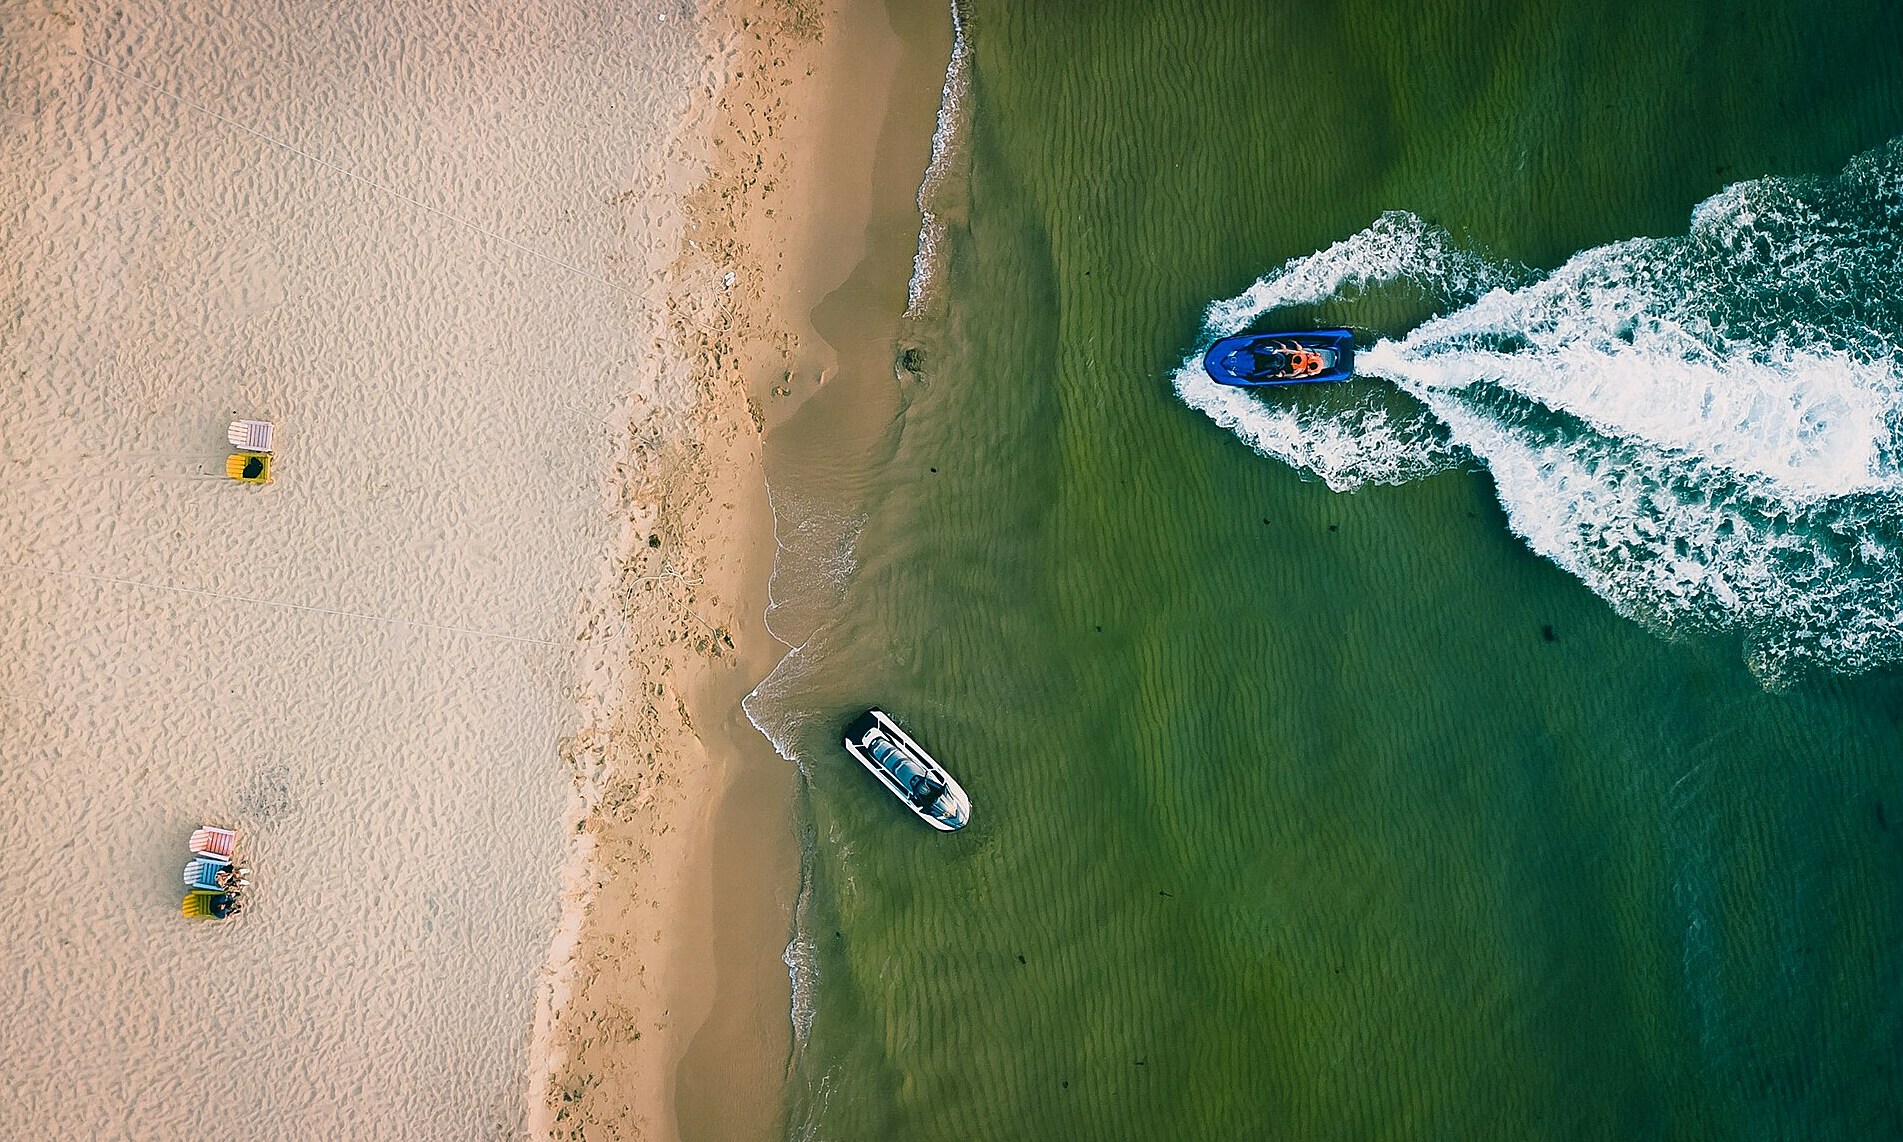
x: 202, y: 593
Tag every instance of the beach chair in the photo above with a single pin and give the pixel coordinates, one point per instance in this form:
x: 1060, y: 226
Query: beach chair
x: 201, y: 905
x: 202, y: 872
x: 197, y: 906
x: 250, y: 435
x: 249, y: 467
x: 212, y: 841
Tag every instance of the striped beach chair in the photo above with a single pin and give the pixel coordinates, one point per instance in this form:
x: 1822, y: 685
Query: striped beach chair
x: 200, y: 905
x: 250, y: 435
x: 249, y: 467
x: 212, y: 841
x: 202, y: 872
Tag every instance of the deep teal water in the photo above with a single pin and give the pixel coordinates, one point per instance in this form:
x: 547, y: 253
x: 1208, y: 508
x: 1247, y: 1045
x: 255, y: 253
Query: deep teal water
x: 1303, y: 813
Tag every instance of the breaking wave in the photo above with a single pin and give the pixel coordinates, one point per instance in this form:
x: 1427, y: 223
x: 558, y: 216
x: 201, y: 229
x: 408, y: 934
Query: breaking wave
x: 948, y: 156
x: 1705, y: 428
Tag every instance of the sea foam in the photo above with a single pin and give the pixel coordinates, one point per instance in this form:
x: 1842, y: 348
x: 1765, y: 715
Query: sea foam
x: 948, y: 145
x: 1704, y: 428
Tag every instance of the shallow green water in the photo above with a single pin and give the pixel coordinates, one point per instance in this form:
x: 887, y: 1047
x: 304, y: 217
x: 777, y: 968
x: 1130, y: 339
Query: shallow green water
x: 1304, y: 814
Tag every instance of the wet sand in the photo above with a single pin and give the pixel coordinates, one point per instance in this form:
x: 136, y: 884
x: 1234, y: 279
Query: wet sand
x: 671, y: 1016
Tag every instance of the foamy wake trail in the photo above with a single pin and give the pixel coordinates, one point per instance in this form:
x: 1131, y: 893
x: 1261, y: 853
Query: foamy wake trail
x: 1705, y: 429
x: 1398, y: 248
x: 1367, y: 443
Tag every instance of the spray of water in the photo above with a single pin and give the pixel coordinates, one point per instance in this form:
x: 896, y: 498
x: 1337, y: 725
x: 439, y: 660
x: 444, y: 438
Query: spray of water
x: 1705, y: 429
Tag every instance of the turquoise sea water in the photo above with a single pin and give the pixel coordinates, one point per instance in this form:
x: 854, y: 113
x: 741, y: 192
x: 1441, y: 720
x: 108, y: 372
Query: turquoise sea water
x: 1508, y: 744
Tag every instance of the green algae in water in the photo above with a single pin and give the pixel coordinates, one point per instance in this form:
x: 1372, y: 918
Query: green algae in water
x: 1296, y: 813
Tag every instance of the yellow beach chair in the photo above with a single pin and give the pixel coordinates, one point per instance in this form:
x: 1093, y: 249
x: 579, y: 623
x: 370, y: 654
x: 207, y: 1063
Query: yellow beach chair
x: 200, y: 904
x: 197, y: 906
x: 249, y: 467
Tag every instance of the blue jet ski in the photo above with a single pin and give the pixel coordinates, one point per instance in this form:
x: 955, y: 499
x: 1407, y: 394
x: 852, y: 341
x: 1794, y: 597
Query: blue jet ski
x: 1282, y: 358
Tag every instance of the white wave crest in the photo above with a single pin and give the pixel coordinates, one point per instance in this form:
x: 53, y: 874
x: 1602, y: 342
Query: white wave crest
x: 802, y: 969
x: 947, y: 147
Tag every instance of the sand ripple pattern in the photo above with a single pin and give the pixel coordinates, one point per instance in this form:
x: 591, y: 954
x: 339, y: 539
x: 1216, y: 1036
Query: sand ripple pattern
x: 415, y: 238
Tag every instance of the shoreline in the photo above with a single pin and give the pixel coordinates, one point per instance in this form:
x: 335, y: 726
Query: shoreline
x: 655, y: 1019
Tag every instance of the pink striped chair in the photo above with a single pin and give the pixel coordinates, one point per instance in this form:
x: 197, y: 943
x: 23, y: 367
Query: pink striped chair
x: 212, y: 841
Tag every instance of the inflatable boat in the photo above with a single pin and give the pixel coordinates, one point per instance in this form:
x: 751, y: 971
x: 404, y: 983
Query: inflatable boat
x: 907, y: 771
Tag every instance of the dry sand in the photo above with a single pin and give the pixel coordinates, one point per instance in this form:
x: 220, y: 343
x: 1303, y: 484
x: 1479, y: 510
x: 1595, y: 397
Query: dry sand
x: 671, y: 1017
x: 423, y: 241
x: 466, y: 675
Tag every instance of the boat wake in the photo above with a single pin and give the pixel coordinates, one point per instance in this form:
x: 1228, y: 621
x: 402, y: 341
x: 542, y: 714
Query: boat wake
x: 1705, y: 429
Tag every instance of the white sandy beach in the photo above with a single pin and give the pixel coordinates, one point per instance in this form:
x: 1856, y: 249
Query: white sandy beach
x: 421, y: 240
x: 520, y: 289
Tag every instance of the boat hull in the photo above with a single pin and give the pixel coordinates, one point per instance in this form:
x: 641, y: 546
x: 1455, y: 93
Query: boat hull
x: 1244, y: 361
x: 909, y: 773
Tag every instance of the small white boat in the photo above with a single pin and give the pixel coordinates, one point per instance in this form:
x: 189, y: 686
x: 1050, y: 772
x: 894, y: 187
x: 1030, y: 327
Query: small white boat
x: 903, y: 766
